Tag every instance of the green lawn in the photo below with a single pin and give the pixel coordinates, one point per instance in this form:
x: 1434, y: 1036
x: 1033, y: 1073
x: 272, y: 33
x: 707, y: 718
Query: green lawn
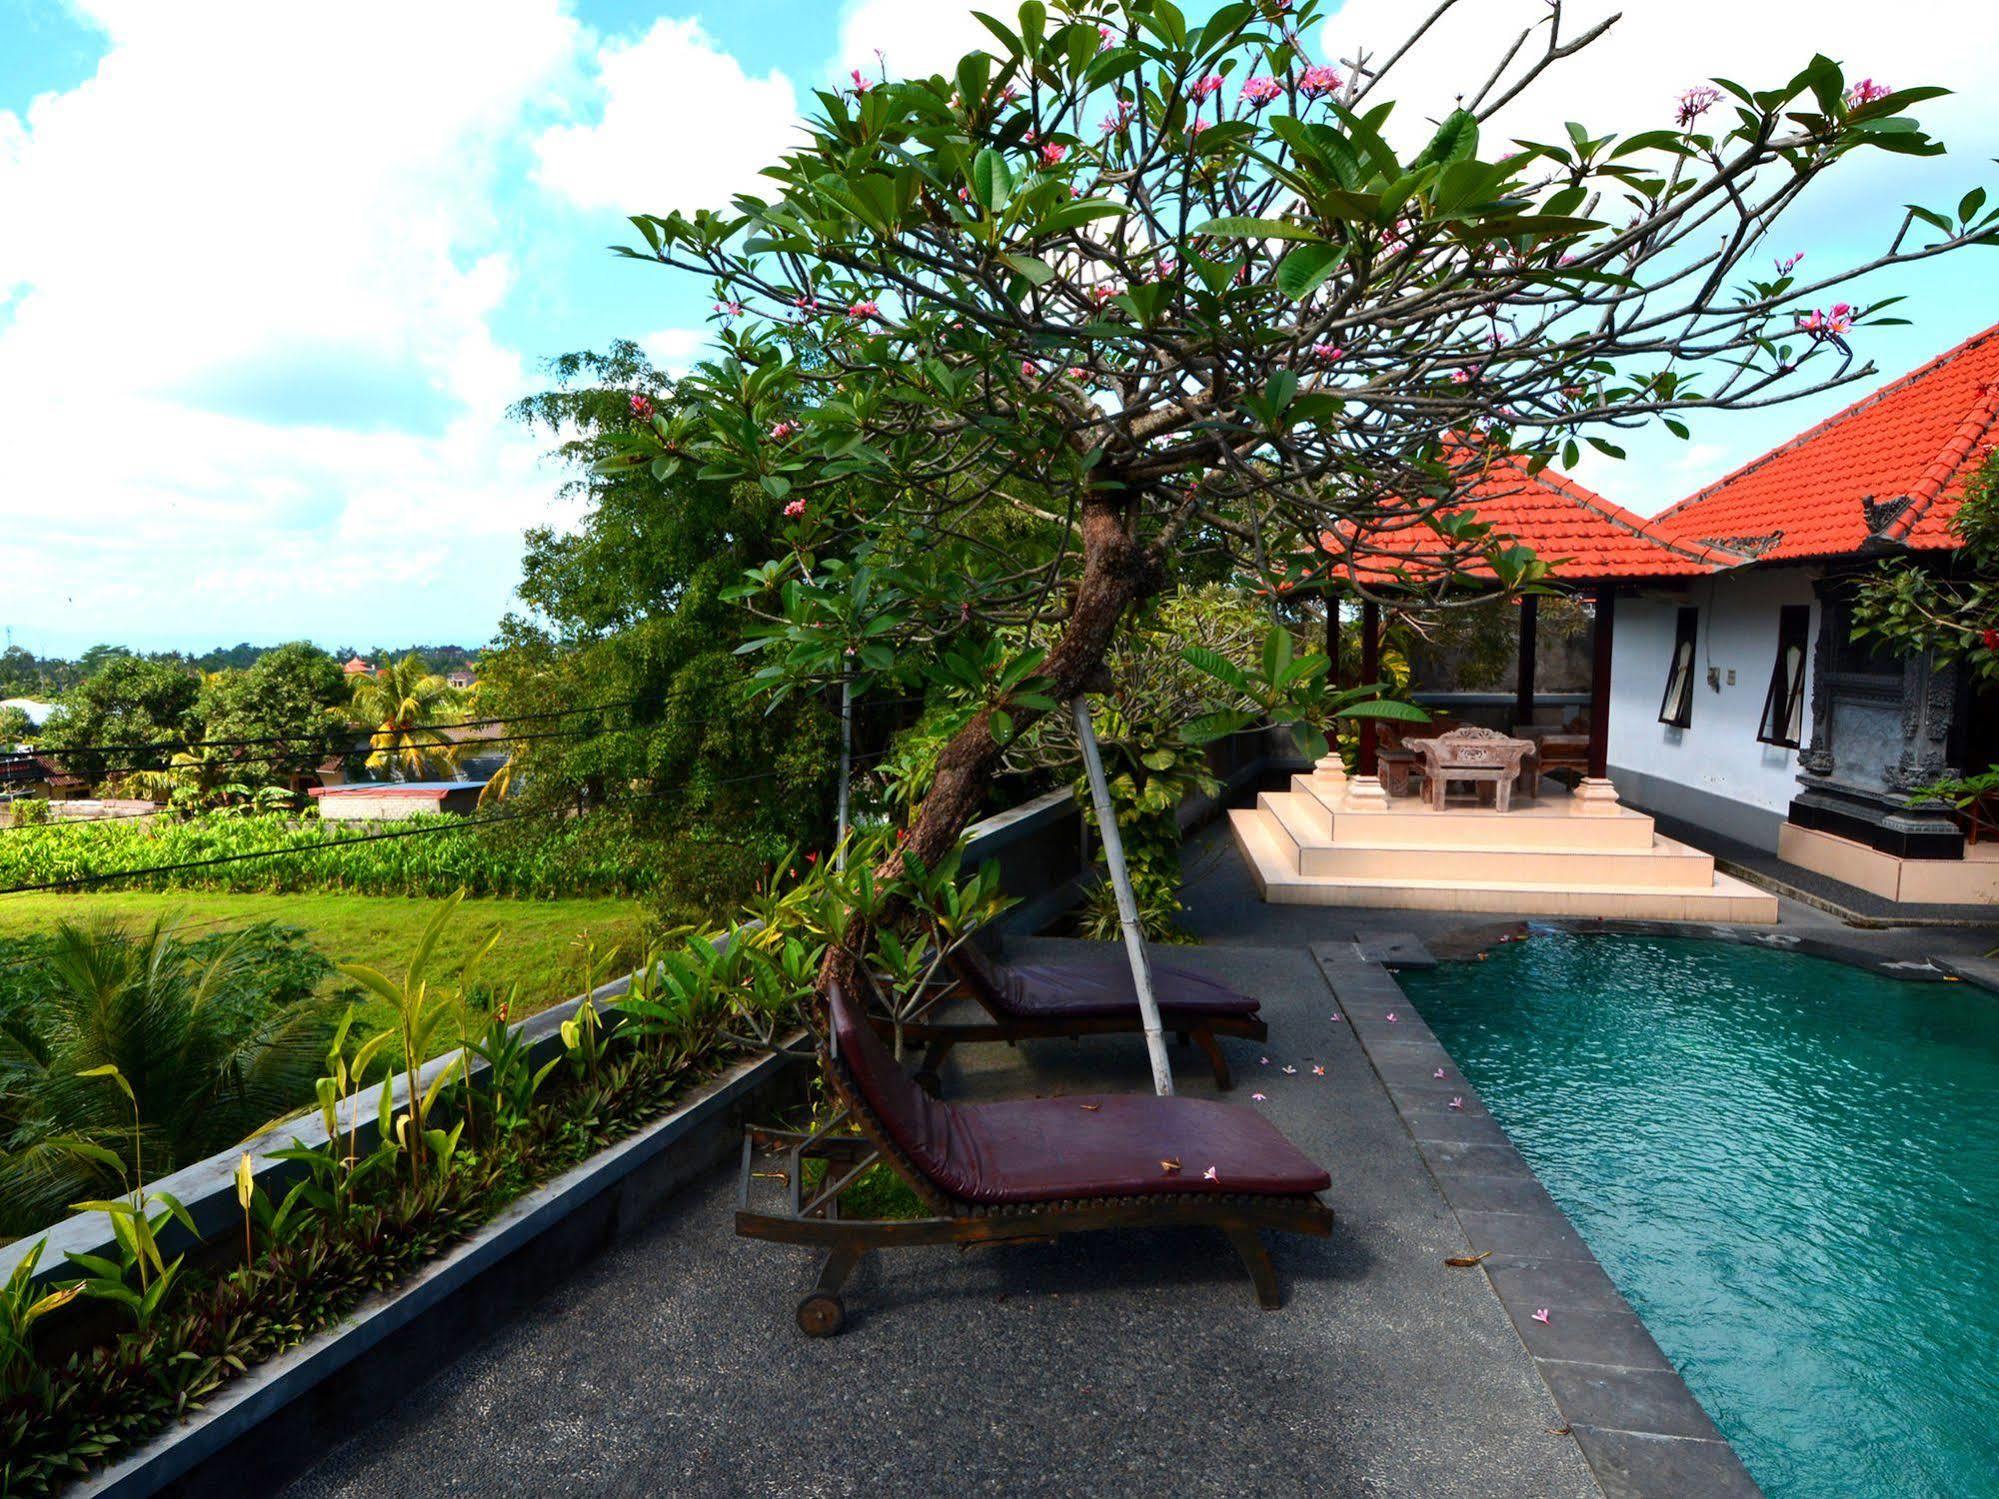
x: 537, y: 949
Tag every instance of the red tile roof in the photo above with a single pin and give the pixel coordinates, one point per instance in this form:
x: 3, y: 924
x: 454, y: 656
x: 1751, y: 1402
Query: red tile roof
x: 1892, y: 467
x: 1580, y: 534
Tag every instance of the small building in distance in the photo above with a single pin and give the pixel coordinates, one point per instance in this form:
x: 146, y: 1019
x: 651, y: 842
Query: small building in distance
x: 358, y: 667
x: 465, y: 678
x: 392, y: 801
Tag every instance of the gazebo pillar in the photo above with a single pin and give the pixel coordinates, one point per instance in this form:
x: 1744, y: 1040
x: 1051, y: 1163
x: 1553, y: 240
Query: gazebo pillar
x: 1370, y: 673
x: 1523, y: 692
x: 1596, y: 793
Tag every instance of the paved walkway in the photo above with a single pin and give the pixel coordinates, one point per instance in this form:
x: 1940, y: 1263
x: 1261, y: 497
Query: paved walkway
x: 1116, y: 1363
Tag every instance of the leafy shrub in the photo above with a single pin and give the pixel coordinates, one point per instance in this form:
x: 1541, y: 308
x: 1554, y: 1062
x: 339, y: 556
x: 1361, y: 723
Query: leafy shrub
x: 574, y: 857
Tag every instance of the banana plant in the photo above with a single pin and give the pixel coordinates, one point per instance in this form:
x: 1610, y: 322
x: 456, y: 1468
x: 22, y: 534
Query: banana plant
x: 1284, y: 687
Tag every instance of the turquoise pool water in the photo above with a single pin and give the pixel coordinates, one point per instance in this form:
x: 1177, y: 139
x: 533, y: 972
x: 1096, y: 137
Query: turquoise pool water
x: 1790, y: 1168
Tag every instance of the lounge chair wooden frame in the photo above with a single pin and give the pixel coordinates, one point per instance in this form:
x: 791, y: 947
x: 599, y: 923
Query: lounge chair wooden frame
x: 938, y: 1037
x: 854, y: 1139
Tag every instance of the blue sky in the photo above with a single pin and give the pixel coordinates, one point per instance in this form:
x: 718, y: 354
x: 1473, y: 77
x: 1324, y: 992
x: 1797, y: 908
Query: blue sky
x: 270, y: 274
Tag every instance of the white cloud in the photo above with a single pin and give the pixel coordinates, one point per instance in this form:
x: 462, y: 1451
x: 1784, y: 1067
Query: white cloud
x: 915, y: 37
x: 682, y: 126
x: 248, y: 275
x: 676, y: 350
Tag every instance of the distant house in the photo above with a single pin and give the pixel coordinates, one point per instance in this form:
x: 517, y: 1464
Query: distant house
x: 464, y: 678
x: 392, y: 801
x: 358, y: 668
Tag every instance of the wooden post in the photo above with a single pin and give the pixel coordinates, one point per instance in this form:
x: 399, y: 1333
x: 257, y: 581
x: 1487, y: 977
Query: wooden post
x: 1370, y: 673
x: 1127, y: 904
x: 1599, y: 682
x: 1523, y: 692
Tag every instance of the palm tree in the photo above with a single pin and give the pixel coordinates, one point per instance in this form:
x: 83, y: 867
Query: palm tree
x: 209, y: 1050
x: 399, y: 706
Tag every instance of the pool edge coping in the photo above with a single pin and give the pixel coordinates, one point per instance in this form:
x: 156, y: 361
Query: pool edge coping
x: 1639, y: 1426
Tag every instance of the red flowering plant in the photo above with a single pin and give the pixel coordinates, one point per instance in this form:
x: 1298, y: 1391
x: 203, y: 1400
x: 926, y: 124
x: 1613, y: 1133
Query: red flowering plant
x: 1125, y: 298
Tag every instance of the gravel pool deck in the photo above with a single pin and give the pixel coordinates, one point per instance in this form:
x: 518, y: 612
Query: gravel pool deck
x: 1110, y: 1363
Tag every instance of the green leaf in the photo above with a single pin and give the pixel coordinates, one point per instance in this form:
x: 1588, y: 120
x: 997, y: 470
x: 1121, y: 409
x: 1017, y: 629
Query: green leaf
x: 1037, y: 271
x: 1237, y: 227
x: 1384, y: 707
x: 992, y: 179
x: 1301, y: 272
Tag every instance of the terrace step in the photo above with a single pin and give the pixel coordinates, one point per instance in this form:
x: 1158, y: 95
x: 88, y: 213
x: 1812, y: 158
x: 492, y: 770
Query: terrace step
x: 1550, y: 821
x: 1664, y: 862
x: 1272, y: 858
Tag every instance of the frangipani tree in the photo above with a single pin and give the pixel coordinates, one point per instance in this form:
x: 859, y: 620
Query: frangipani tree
x: 1136, y: 288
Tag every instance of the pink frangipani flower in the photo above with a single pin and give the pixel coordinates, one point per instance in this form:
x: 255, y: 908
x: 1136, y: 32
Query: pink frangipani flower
x: 1696, y: 102
x: 1200, y: 88
x: 1289, y: 1070
x: 641, y: 407
x: 1438, y: 1073
x: 1865, y: 92
x: 1391, y: 1017
x: 1258, y: 1098
x: 1260, y: 90
x: 1319, y: 79
x: 1211, y: 1175
x: 1541, y: 1315
x: 1318, y: 1070
x: 1052, y: 153
x: 1456, y: 1103
x: 863, y: 310
x: 795, y: 508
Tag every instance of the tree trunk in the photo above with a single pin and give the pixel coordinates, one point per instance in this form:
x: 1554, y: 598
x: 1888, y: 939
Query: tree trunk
x: 1117, y: 572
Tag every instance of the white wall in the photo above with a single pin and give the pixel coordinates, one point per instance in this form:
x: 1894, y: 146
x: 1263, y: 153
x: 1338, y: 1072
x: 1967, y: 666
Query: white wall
x: 1714, y: 772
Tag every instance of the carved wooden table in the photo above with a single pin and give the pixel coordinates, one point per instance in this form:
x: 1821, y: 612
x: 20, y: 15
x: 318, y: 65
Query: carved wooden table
x: 1471, y: 754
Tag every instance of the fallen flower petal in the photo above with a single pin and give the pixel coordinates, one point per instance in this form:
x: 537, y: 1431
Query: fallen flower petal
x: 1457, y: 1103
x: 1211, y: 1175
x: 1290, y: 1071
x: 1541, y: 1315
x: 1460, y: 1261
x: 1438, y: 1073
x: 1170, y: 1166
x: 1258, y: 1098
x: 1317, y: 1070
x: 1089, y: 1108
x: 1391, y: 1015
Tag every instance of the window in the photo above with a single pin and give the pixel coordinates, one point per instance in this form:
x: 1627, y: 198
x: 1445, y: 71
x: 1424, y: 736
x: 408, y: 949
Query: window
x: 1676, y: 708
x: 1784, y: 705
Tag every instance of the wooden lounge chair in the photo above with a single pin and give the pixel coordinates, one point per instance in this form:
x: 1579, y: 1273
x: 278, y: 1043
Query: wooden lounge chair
x: 1086, y: 997
x: 1023, y: 1169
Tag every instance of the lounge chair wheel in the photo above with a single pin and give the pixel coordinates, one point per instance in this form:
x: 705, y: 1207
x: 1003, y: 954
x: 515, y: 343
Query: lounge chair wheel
x: 821, y: 1314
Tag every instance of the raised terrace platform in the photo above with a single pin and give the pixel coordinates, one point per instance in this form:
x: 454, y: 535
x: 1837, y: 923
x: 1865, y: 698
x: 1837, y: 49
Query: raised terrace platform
x: 1331, y: 841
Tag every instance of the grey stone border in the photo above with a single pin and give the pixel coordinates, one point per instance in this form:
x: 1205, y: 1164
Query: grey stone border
x: 1642, y: 1431
x: 265, y: 1424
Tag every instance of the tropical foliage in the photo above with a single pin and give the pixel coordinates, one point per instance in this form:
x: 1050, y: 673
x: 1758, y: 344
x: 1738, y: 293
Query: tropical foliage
x: 405, y: 707
x: 210, y: 1036
x: 426, y: 855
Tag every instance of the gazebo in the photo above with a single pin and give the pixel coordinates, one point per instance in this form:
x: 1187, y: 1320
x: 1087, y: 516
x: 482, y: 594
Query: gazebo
x: 1333, y: 839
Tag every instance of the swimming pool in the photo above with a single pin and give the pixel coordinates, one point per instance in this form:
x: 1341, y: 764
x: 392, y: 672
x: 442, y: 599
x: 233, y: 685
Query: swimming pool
x: 1790, y: 1168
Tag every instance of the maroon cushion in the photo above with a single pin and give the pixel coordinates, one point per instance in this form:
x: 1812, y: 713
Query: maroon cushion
x: 1099, y: 1145
x: 1096, y: 988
